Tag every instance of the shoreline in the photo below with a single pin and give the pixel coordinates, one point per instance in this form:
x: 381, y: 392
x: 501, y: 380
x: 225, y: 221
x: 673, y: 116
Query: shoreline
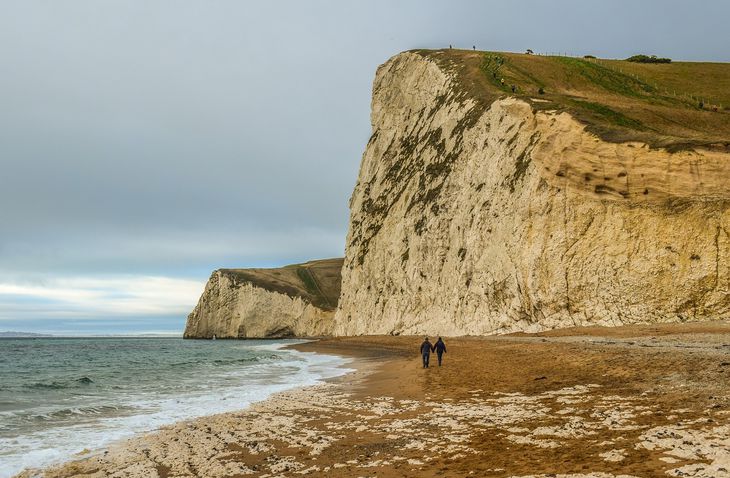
x: 219, y: 401
x: 632, y: 401
x: 128, y: 449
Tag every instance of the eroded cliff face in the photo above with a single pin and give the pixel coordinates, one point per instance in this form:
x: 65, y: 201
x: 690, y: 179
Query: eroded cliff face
x: 294, y: 301
x: 474, y: 219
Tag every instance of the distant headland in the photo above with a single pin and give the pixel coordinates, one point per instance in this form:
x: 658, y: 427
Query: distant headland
x: 21, y: 335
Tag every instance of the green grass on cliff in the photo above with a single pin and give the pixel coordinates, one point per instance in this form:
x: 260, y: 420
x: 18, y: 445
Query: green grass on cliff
x: 317, y: 282
x: 676, y: 105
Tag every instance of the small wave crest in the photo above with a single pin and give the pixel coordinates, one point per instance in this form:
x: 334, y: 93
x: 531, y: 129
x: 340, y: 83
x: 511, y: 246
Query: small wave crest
x: 261, y: 358
x: 59, y: 385
x: 30, y: 420
x: 74, y: 412
x: 220, y: 362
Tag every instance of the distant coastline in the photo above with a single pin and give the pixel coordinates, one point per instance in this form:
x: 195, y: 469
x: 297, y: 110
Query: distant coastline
x: 22, y: 335
x: 33, y: 335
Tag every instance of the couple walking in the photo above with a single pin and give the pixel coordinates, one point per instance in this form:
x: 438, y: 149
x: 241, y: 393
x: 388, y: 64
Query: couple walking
x: 426, y: 348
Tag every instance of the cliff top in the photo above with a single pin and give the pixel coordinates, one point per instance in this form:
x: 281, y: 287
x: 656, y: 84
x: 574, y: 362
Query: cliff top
x: 674, y: 105
x: 317, y: 282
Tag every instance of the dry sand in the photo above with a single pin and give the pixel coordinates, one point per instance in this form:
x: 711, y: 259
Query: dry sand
x: 637, y: 401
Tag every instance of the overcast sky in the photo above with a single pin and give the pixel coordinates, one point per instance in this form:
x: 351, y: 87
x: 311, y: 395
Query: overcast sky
x: 144, y: 144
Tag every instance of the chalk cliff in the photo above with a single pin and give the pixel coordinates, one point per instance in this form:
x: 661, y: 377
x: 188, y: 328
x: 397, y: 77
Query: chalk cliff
x: 482, y: 216
x: 292, y: 301
x: 502, y: 192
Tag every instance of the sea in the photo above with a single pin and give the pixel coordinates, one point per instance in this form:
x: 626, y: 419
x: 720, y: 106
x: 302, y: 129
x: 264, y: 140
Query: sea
x: 61, y: 396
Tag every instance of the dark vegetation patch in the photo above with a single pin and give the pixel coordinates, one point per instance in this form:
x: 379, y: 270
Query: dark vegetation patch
x: 317, y: 282
x: 608, y: 115
x: 609, y: 80
x: 617, y: 100
x: 307, y: 280
x: 648, y: 59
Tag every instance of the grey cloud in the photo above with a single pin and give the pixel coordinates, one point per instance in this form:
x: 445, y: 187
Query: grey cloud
x: 178, y: 136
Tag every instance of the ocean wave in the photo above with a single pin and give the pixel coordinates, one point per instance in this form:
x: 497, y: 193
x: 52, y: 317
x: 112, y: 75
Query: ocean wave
x: 219, y: 362
x: 59, y: 385
x: 34, y: 418
x: 74, y: 412
x: 112, y: 399
x: 246, y: 360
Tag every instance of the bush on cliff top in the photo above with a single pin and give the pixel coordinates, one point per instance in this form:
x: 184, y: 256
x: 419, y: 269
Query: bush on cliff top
x: 648, y: 59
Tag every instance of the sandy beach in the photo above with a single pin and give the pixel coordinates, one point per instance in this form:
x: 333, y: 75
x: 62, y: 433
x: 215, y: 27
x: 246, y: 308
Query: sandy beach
x: 634, y: 401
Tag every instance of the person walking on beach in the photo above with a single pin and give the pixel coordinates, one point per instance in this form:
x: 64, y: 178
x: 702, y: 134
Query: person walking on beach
x: 440, y: 348
x: 426, y: 349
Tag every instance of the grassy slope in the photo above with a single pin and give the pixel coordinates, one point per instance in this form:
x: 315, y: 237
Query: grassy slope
x: 317, y: 282
x: 618, y: 100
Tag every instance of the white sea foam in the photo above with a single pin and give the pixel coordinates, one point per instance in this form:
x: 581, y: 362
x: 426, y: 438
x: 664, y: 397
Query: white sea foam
x: 147, y: 410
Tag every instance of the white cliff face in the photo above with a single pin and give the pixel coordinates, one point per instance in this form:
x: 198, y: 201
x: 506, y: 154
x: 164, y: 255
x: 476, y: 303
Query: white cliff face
x: 230, y: 309
x: 474, y: 220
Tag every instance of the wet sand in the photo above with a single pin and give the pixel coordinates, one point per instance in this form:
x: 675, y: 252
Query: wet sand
x: 639, y: 401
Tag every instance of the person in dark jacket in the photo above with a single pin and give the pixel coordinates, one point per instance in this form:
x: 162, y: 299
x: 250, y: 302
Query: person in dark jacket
x: 426, y: 349
x: 440, y: 348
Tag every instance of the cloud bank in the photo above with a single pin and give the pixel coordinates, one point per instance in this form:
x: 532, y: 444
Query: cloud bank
x: 152, y: 142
